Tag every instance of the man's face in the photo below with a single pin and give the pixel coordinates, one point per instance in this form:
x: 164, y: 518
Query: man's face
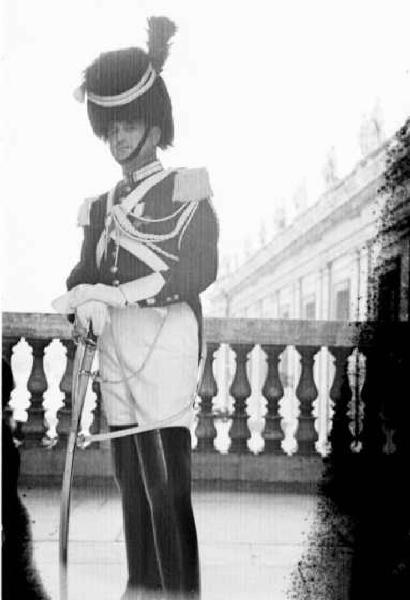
x: 123, y: 137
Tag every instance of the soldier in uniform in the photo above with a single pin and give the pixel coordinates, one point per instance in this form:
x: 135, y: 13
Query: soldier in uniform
x: 149, y: 250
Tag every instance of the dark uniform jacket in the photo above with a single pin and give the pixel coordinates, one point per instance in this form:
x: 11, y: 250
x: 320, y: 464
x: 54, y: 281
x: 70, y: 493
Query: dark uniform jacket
x: 191, y: 255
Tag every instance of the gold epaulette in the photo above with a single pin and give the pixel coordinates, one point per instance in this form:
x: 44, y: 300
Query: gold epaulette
x: 191, y: 185
x: 83, y: 216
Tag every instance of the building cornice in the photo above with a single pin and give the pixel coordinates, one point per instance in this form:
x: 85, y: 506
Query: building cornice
x: 343, y: 201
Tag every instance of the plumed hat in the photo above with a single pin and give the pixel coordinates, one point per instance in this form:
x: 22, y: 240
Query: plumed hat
x: 126, y: 85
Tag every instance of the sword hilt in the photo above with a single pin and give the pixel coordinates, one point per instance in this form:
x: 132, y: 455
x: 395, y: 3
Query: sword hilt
x: 90, y: 339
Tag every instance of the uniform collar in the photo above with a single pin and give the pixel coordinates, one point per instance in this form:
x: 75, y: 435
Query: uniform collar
x: 146, y: 171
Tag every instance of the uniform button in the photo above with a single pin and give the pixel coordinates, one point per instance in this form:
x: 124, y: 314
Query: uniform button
x: 116, y: 282
x: 150, y: 301
x: 113, y: 269
x: 169, y: 299
x: 176, y: 297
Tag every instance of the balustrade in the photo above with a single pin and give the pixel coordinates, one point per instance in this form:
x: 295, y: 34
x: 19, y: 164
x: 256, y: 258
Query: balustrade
x: 242, y: 335
x: 240, y: 390
x: 64, y: 414
x: 205, y: 430
x: 35, y: 427
x: 341, y: 437
x: 7, y: 353
x: 306, y: 392
x: 8, y: 345
x: 273, y: 392
x: 372, y: 433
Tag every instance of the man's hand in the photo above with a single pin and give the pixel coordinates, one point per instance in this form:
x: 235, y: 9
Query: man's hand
x: 69, y: 302
x: 93, y: 312
x: 110, y: 295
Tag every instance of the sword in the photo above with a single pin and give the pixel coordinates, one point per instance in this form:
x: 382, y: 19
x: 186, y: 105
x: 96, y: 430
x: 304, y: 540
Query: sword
x: 83, y: 361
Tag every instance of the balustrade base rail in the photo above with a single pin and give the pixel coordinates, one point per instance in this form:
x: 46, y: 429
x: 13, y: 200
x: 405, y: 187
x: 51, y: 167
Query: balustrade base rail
x: 93, y: 467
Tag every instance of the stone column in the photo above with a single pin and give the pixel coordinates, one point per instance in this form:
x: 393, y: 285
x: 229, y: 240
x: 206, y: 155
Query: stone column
x: 319, y: 294
x: 355, y: 298
x: 371, y: 290
x: 329, y: 307
x: 326, y: 280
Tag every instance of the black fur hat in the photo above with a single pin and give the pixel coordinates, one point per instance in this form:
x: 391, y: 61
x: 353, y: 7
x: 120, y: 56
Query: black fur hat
x: 125, y: 85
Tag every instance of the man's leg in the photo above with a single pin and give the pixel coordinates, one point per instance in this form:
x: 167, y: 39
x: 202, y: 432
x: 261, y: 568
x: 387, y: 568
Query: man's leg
x: 177, y: 447
x: 154, y: 472
x: 119, y: 408
x: 140, y: 549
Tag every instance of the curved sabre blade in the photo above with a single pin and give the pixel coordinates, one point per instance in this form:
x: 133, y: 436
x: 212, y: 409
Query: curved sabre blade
x: 81, y: 374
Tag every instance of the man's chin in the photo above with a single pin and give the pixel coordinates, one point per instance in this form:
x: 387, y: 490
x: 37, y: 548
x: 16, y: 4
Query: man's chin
x: 122, y: 155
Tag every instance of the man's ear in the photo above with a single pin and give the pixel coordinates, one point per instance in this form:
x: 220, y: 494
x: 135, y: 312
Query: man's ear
x: 155, y: 135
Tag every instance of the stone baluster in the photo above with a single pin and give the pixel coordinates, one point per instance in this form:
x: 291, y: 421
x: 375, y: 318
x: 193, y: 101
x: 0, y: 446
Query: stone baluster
x: 7, y: 347
x: 205, y: 430
x: 273, y: 392
x: 306, y: 392
x: 8, y: 344
x: 357, y: 425
x: 240, y: 390
x: 395, y: 408
x: 372, y: 435
x: 382, y: 394
x: 64, y: 413
x: 7, y: 353
x: 340, y: 393
x: 36, y: 385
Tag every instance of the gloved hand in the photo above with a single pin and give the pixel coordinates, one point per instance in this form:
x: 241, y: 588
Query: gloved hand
x: 93, y: 312
x: 110, y: 295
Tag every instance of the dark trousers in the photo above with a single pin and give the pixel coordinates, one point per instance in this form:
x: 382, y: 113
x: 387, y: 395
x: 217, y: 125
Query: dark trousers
x: 153, y: 472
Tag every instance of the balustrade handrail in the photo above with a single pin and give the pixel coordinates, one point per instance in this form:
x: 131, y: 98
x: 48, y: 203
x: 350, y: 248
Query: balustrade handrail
x: 36, y: 325
x: 228, y: 329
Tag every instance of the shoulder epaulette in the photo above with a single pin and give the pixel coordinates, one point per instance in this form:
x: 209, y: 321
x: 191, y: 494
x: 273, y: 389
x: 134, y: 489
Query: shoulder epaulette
x: 191, y: 185
x: 83, y: 216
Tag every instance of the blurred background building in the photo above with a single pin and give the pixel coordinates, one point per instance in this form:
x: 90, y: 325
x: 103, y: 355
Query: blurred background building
x: 317, y: 263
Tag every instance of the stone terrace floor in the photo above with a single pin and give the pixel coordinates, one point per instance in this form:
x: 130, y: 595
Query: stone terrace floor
x: 249, y: 542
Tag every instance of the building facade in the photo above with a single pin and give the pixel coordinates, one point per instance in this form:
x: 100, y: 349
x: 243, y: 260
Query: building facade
x: 319, y: 266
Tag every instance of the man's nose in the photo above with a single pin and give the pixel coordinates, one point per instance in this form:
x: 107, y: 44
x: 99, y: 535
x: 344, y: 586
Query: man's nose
x: 119, y: 132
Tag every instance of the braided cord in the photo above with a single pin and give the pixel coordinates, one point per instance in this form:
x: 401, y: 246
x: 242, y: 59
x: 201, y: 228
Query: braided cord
x: 121, y: 221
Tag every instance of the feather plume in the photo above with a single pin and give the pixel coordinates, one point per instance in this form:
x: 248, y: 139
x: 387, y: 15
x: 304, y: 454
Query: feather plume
x: 160, y: 31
